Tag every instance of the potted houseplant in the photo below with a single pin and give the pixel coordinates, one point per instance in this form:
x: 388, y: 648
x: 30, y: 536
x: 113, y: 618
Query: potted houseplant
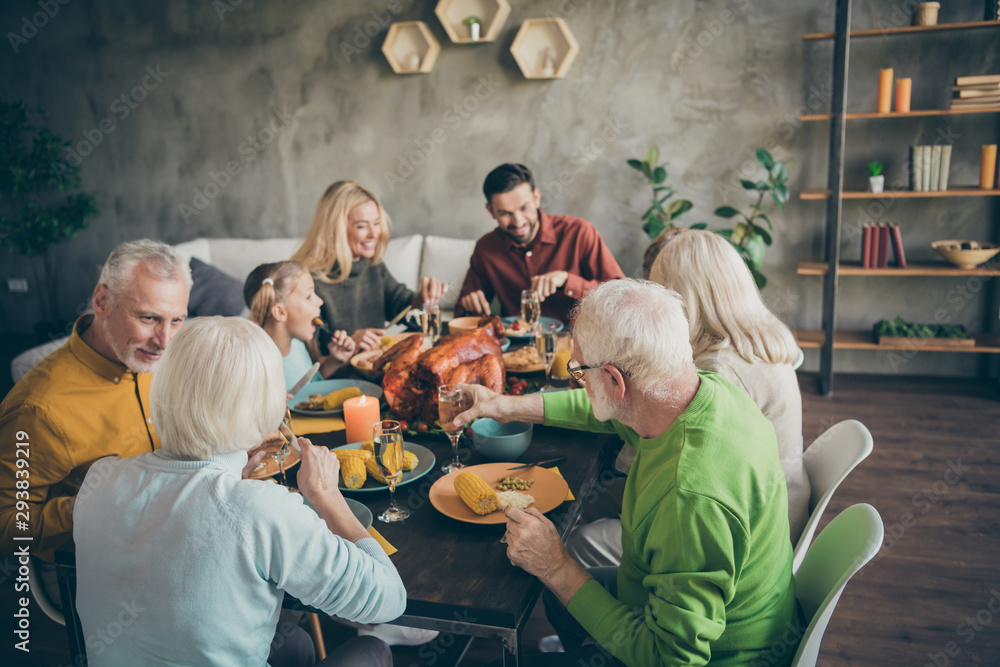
x: 659, y: 215
x: 876, y: 179
x: 39, y: 205
x: 748, y: 236
x: 475, y: 26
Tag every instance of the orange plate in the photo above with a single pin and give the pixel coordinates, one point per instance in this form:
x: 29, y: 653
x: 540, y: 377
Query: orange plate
x: 549, y: 491
x: 270, y: 468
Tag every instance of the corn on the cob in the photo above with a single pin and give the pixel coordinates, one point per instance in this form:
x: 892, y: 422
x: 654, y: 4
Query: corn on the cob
x: 373, y: 470
x: 368, y: 446
x: 335, y: 399
x: 352, y: 467
x: 476, y: 493
x: 410, y: 461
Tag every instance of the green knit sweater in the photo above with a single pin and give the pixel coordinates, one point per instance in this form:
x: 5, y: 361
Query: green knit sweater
x: 706, y: 574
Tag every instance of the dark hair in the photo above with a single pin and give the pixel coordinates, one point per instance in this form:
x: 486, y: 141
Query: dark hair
x: 505, y: 178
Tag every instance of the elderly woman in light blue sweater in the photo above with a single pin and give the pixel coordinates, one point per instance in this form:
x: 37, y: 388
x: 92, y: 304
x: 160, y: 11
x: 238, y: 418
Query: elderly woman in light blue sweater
x: 198, y: 558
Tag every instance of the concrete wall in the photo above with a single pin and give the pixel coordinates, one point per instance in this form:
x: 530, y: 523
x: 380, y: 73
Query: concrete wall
x: 707, y: 81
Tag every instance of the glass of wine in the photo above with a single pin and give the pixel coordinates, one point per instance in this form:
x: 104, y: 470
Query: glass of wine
x: 452, y: 401
x: 545, y: 341
x: 388, y: 439
x: 431, y: 323
x: 531, y: 308
x: 281, y: 453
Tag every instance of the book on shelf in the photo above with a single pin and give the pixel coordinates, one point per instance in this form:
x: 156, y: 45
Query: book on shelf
x: 992, y: 10
x: 975, y: 102
x: 976, y: 91
x: 935, y: 167
x: 883, y: 245
x: 925, y: 167
x: 945, y: 166
x: 929, y: 167
x: 977, y: 80
x: 897, y: 246
x: 873, y: 258
x: 866, y: 246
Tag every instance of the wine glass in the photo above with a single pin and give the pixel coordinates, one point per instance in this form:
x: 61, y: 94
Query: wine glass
x: 388, y: 444
x: 531, y: 308
x: 431, y: 322
x: 281, y: 453
x: 545, y: 342
x: 452, y: 401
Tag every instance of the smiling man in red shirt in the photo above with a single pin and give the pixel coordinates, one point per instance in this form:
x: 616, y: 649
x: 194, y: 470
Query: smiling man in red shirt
x: 558, y: 256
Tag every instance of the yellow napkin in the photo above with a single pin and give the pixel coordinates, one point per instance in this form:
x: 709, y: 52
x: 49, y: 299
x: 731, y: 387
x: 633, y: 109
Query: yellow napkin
x: 569, y: 494
x: 302, y: 425
x: 386, y: 547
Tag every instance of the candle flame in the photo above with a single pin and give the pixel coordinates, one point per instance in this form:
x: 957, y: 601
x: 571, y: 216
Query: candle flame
x: 362, y: 401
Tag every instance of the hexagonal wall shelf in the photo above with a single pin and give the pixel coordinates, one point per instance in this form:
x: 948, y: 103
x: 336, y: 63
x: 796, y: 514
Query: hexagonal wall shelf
x: 492, y: 14
x: 544, y: 48
x: 410, y: 47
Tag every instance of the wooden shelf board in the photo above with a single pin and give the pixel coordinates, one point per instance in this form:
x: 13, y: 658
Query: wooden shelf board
x: 960, y: 191
x: 937, y: 269
x: 864, y: 340
x: 904, y: 114
x: 882, y: 32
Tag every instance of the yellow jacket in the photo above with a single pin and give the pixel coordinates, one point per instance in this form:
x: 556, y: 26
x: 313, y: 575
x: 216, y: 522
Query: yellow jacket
x: 69, y: 410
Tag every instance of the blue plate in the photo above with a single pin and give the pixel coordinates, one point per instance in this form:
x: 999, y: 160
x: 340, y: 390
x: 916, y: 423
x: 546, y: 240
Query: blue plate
x: 425, y: 463
x: 507, y: 321
x: 325, y: 387
x: 361, y: 513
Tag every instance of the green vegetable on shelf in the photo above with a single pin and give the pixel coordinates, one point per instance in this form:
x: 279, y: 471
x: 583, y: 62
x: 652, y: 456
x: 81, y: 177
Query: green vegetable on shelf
x: 900, y: 328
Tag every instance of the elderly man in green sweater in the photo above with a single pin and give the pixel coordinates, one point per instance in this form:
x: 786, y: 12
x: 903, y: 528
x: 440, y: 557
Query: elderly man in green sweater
x: 706, y: 573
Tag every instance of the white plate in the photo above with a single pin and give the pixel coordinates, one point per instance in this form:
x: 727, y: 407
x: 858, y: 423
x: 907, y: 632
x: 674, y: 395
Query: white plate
x: 325, y: 387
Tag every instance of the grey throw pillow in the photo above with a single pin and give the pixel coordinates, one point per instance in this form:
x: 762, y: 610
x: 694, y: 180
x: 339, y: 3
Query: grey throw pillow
x: 213, y: 292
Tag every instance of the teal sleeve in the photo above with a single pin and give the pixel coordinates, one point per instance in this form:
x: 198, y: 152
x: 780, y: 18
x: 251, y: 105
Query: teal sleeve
x: 694, y: 546
x: 571, y: 409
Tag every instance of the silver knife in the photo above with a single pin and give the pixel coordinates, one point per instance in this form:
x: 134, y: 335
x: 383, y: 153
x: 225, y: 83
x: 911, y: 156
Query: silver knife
x: 538, y: 463
x: 305, y: 379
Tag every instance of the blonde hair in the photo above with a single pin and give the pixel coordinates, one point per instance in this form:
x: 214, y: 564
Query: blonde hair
x: 324, y: 250
x: 638, y: 326
x: 724, y: 306
x: 267, y: 285
x: 220, y: 387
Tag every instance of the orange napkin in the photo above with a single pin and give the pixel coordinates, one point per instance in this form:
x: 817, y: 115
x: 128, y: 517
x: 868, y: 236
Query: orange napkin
x: 388, y: 548
x: 301, y: 425
x: 569, y: 494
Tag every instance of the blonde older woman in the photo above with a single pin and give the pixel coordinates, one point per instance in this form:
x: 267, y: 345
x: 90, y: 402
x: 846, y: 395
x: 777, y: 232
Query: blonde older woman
x: 203, y: 557
x: 344, y: 249
x: 735, y: 335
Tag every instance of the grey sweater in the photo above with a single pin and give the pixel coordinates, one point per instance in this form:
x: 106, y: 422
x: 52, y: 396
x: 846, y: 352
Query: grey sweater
x: 365, y: 300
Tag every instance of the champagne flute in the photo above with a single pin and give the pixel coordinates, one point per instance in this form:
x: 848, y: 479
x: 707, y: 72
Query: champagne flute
x: 431, y: 323
x: 545, y: 342
x: 281, y: 453
x: 452, y: 401
x: 388, y: 444
x: 531, y: 309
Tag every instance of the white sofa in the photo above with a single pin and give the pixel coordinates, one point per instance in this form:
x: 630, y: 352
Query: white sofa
x: 409, y: 258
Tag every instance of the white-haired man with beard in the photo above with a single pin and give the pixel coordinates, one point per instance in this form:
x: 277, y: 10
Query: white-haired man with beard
x: 706, y: 576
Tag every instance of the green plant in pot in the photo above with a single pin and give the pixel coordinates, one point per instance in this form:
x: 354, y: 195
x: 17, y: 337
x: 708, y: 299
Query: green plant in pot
x: 660, y: 215
x: 876, y: 179
x: 748, y: 235
x: 475, y: 27
x: 39, y: 202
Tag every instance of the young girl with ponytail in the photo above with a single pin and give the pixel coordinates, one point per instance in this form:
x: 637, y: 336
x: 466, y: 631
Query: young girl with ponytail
x: 282, y: 300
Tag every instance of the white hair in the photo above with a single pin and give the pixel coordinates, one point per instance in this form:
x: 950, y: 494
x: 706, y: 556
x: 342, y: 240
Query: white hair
x: 157, y: 257
x: 724, y: 306
x: 220, y: 387
x: 638, y: 326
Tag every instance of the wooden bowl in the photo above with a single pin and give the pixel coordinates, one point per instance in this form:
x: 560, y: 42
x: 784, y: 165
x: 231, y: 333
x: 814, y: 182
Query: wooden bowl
x: 970, y: 256
x: 463, y: 323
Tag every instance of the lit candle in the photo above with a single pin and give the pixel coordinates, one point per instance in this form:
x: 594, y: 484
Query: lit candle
x: 885, y: 90
x: 360, y: 414
x: 903, y: 89
x: 987, y: 166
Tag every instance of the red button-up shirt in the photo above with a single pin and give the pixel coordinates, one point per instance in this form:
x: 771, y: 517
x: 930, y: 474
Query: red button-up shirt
x: 499, y: 267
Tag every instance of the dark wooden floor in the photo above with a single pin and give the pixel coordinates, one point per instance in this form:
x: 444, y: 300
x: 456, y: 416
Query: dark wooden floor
x: 935, y: 479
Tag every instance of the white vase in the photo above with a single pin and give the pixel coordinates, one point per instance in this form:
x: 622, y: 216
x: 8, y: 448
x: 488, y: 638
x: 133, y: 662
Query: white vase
x: 474, y: 31
x: 876, y: 183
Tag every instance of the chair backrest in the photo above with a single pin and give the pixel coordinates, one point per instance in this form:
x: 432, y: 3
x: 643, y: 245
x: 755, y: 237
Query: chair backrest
x: 828, y: 460
x: 41, y: 595
x: 851, y: 540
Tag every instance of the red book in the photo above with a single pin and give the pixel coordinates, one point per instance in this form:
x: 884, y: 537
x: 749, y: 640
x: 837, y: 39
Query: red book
x: 897, y: 246
x: 866, y: 246
x: 873, y: 256
x: 883, y: 246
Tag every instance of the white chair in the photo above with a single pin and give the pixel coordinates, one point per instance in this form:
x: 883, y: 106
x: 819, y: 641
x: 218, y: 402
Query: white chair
x: 41, y: 596
x: 851, y: 540
x: 828, y: 460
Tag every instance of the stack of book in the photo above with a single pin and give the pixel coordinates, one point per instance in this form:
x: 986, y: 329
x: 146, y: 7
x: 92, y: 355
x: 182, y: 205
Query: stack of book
x: 875, y: 240
x: 929, y: 167
x: 976, y: 92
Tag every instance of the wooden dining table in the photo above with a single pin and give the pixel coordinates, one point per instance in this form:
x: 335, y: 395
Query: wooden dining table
x: 457, y: 575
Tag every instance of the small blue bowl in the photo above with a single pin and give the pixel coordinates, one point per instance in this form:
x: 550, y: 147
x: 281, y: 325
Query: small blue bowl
x: 501, y: 442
